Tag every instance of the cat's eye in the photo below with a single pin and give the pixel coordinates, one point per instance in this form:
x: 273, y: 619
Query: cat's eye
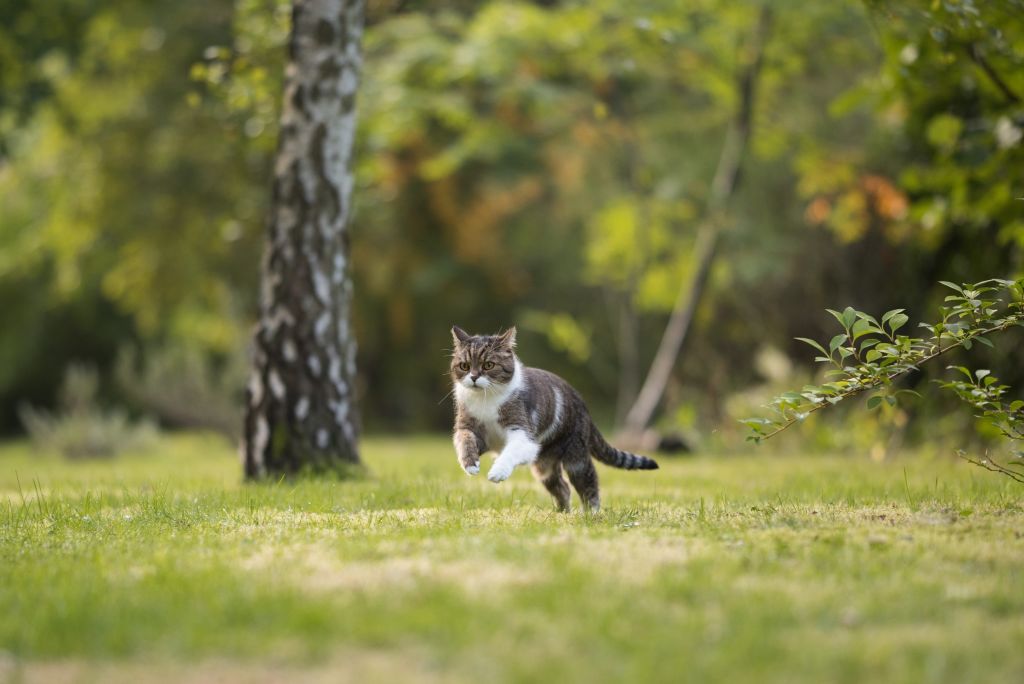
x: 464, y: 366
x: 488, y: 366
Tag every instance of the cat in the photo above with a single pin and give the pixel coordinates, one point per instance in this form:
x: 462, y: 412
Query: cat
x: 529, y: 416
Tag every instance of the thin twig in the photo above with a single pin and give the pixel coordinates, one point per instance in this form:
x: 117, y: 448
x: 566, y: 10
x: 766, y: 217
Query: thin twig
x: 988, y: 464
x: 997, y: 80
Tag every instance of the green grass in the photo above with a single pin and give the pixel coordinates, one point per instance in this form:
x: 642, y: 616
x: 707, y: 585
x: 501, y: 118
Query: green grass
x: 165, y: 567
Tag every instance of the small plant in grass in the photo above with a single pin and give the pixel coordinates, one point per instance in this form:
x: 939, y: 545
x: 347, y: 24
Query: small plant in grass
x: 81, y: 429
x: 870, y: 355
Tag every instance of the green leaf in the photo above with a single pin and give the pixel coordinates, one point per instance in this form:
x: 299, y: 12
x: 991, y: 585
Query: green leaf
x: 863, y: 327
x: 890, y: 314
x: 953, y: 286
x: 849, y: 316
x: 874, y: 402
x: 986, y: 342
x: 838, y: 316
x: 897, y: 322
x: 981, y: 372
x: 836, y: 342
x: 962, y: 370
x: 816, y: 345
x: 865, y: 317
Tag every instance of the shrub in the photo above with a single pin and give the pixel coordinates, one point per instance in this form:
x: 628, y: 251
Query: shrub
x: 80, y: 428
x: 182, y: 387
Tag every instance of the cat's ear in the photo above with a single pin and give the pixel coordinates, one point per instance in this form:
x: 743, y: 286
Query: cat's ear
x: 459, y: 335
x: 508, y: 338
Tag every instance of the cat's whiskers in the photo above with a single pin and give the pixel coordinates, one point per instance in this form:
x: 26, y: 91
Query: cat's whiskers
x: 450, y: 393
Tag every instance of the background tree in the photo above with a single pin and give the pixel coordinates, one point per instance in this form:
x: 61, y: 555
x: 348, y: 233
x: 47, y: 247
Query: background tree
x: 301, y: 409
x: 548, y: 164
x: 723, y: 185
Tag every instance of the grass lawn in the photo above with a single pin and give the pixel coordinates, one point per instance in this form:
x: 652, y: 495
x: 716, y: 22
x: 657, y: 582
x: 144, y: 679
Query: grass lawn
x: 165, y: 567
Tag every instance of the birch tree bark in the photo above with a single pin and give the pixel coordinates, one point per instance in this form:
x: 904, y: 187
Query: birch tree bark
x: 301, y: 411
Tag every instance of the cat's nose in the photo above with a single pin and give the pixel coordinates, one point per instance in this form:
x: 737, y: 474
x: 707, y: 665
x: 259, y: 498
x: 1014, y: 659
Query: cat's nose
x: 474, y: 376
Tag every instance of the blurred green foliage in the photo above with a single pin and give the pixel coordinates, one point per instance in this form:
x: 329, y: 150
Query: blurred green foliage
x: 543, y: 163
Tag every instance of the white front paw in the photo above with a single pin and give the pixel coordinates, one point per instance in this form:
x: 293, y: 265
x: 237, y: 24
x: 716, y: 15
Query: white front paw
x: 472, y: 470
x: 499, y: 472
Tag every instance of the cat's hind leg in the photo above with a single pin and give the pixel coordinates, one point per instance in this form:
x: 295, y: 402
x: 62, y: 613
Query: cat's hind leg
x: 549, y: 473
x: 583, y: 476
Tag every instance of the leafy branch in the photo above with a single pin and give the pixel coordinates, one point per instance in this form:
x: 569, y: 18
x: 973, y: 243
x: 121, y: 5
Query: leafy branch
x: 983, y: 392
x: 870, y: 355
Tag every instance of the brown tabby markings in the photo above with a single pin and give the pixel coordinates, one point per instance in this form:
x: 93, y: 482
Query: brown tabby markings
x: 530, y: 416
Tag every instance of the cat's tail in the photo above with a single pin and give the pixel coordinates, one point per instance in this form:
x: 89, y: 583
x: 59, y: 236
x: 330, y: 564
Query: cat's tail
x: 617, y: 458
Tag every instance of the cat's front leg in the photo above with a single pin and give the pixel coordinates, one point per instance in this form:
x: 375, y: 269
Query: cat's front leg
x: 467, y: 449
x: 520, y: 449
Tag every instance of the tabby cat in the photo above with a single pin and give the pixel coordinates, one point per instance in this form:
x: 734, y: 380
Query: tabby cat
x: 528, y: 416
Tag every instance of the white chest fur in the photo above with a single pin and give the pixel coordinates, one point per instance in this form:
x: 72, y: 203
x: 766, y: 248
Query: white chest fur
x: 485, y: 407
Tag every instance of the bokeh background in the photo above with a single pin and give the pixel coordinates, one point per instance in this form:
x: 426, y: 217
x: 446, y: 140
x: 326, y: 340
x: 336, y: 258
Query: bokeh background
x: 543, y: 164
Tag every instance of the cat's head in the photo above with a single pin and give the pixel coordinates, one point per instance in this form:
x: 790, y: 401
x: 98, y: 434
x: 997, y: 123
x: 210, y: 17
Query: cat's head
x: 482, y: 361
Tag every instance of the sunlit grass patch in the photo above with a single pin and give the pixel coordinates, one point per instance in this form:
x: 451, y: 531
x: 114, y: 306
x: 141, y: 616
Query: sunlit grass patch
x: 714, y: 567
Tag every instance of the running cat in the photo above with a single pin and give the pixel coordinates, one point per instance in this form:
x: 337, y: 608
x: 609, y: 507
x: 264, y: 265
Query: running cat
x: 528, y: 416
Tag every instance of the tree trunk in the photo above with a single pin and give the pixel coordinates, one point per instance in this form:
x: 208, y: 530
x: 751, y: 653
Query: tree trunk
x: 722, y: 187
x: 300, y: 402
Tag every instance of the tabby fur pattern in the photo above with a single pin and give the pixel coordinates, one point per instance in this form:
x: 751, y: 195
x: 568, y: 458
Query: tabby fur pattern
x: 529, y: 417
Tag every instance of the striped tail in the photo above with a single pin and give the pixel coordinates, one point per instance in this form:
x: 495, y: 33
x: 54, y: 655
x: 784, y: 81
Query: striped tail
x: 617, y: 458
